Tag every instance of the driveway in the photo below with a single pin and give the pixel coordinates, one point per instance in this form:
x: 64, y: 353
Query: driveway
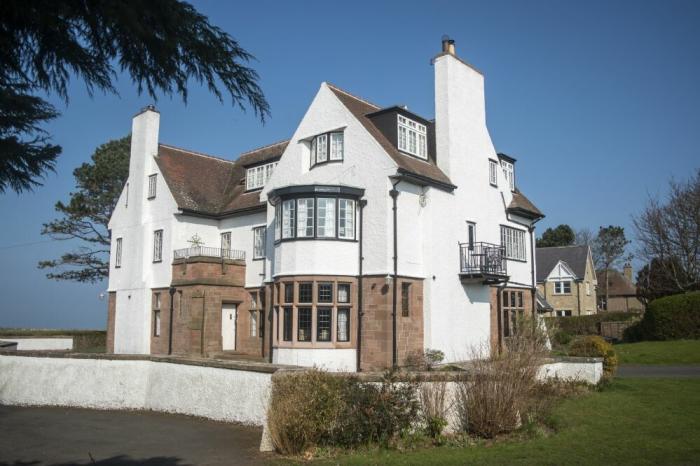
x: 67, y: 436
x: 639, y: 370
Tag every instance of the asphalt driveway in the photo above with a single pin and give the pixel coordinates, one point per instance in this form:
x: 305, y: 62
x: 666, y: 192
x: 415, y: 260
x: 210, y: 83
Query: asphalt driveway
x: 67, y: 436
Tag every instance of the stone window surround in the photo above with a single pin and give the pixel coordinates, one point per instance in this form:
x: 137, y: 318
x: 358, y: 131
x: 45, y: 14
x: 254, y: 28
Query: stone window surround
x: 279, y: 306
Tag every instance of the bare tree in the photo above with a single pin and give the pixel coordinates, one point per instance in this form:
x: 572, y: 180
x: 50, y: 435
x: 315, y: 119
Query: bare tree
x: 669, y: 234
x: 584, y: 237
x: 608, y: 250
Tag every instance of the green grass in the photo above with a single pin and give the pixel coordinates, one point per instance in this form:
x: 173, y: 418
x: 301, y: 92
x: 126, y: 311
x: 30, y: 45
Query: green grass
x: 631, y: 421
x: 660, y: 352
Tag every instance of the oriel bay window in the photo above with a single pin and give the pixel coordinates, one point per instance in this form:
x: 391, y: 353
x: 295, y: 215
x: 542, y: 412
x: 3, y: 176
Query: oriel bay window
x: 319, y: 217
x: 327, y: 147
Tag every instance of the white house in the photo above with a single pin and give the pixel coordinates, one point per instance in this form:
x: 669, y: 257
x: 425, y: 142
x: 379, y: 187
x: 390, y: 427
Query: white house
x: 371, y: 234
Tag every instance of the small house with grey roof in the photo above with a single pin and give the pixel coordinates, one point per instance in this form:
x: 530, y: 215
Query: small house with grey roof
x: 566, y: 281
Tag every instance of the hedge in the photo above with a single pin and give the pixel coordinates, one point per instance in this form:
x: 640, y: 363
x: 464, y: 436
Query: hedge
x: 587, y: 325
x: 673, y: 317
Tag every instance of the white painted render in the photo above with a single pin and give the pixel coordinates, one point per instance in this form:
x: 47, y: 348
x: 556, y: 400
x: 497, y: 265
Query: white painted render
x: 335, y: 360
x: 42, y: 344
x: 561, y: 272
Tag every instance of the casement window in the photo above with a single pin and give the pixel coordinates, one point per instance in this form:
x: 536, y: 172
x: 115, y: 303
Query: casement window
x: 343, y: 330
x: 259, y: 242
x: 287, y: 322
x: 306, y: 292
x: 563, y: 313
x: 288, y: 218
x: 152, y: 181
x: 225, y: 243
x: 278, y: 222
x: 156, y: 323
x: 513, y: 311
x: 158, y: 246
x: 118, y: 253
x: 343, y: 292
x: 471, y: 234
x: 327, y: 147
x: 346, y: 219
x: 326, y: 217
x: 305, y: 219
x: 325, y: 292
x: 324, y: 317
x: 253, y: 323
x: 562, y: 287
x: 412, y: 137
x: 256, y: 177
x: 493, y: 173
x: 405, y: 299
x: 304, y: 324
x: 289, y: 292
x: 514, y: 242
x: 509, y: 173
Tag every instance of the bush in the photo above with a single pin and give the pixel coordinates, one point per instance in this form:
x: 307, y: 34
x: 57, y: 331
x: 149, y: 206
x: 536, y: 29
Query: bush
x: 434, y: 407
x: 671, y: 318
x: 425, y: 360
x: 593, y: 346
x: 562, y: 338
x: 587, y: 325
x: 315, y: 408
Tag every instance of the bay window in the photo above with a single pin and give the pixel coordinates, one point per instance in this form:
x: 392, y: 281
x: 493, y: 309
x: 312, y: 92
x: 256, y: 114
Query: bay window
x: 514, y: 242
x: 326, y: 217
x: 327, y: 147
x: 318, y: 217
x: 288, y: 218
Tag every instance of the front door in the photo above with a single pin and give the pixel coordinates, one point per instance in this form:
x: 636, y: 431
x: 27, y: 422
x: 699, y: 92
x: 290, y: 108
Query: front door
x: 228, y: 327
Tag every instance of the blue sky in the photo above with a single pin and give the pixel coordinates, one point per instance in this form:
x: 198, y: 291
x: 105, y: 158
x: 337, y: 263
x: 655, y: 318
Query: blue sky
x: 597, y: 100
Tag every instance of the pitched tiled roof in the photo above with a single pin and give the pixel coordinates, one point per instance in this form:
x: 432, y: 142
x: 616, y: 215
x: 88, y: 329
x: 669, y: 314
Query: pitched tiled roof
x: 523, y: 205
x: 575, y: 258
x: 212, y: 186
x: 618, y: 285
x: 407, y: 165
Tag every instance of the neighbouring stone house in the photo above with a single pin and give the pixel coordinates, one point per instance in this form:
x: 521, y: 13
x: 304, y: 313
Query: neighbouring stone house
x: 622, y: 291
x: 566, y: 280
x: 371, y: 234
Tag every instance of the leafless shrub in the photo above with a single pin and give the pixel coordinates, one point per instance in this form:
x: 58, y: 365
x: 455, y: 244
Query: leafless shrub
x: 497, y: 389
x: 434, y: 406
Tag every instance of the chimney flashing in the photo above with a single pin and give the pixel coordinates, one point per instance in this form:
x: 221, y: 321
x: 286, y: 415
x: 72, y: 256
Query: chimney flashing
x: 147, y: 108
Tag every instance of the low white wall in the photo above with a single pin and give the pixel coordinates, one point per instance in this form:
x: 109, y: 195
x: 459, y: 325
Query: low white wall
x: 41, y: 344
x: 335, y: 360
x: 214, y: 393
x: 584, y: 371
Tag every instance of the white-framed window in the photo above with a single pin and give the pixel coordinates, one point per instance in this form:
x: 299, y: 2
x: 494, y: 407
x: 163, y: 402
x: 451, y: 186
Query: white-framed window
x: 259, y: 242
x: 288, y: 218
x: 562, y: 287
x: 337, y: 146
x: 278, y: 222
x: 118, y: 253
x: 152, y: 182
x: 412, y: 137
x: 327, y: 147
x: 471, y: 234
x: 325, y: 227
x: 256, y: 177
x: 253, y: 323
x: 156, y: 323
x: 157, y: 245
x: 563, y: 313
x: 346, y: 219
x: 225, y: 242
x: 305, y: 218
x: 493, y: 173
x: 509, y: 173
x: 514, y: 242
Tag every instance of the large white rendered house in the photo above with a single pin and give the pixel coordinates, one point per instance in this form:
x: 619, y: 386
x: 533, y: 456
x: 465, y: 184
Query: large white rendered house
x: 370, y: 235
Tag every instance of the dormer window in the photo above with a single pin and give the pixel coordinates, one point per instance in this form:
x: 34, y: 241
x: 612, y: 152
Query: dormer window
x: 256, y: 177
x: 327, y: 147
x: 509, y: 173
x: 413, y: 137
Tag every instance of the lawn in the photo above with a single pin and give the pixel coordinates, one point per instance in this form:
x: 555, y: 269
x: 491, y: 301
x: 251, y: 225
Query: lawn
x: 631, y: 421
x: 660, y: 352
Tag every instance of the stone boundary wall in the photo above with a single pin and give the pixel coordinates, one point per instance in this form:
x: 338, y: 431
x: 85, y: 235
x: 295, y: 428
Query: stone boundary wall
x: 221, y: 391
x: 47, y: 343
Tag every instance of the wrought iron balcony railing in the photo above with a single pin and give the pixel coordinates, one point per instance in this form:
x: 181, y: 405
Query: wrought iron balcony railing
x: 201, y: 251
x: 482, y: 260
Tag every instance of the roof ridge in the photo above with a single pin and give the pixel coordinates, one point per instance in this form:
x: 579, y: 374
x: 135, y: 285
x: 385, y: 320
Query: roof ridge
x: 569, y: 246
x: 333, y: 86
x: 284, y: 141
x: 200, y: 154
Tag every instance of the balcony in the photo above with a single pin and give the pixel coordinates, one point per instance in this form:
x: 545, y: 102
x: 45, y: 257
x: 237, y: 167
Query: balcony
x: 482, y: 262
x: 201, y: 251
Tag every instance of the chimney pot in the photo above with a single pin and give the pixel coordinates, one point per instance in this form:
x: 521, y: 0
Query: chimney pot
x: 448, y: 45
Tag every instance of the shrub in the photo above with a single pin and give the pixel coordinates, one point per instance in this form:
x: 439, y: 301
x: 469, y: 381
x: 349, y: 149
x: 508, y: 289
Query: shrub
x: 315, y: 408
x: 671, y: 318
x: 562, y: 338
x: 434, y: 407
x: 593, y: 346
x: 587, y: 325
x: 425, y: 360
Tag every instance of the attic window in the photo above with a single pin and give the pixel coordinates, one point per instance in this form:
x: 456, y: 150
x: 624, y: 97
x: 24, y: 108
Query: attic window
x: 412, y: 137
x: 509, y: 173
x: 256, y: 177
x: 327, y: 147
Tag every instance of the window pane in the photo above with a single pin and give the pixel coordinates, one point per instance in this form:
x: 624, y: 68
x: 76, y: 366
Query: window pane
x: 422, y: 149
x: 250, y: 178
x: 402, y: 138
x: 152, y: 186
x: 305, y: 292
x: 343, y: 292
x: 253, y: 323
x: 323, y: 324
x: 157, y: 245
x: 337, y: 146
x: 305, y: 221
x: 321, y: 148
x: 289, y: 292
x: 405, y: 299
x: 288, y: 211
x: 118, y: 258
x: 326, y: 217
x: 325, y: 292
x: 346, y: 219
x: 343, y: 324
x: 287, y: 333
x: 278, y: 222
x: 304, y: 324
x: 226, y: 241
x: 156, y: 323
x: 259, y: 242
x: 313, y: 152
